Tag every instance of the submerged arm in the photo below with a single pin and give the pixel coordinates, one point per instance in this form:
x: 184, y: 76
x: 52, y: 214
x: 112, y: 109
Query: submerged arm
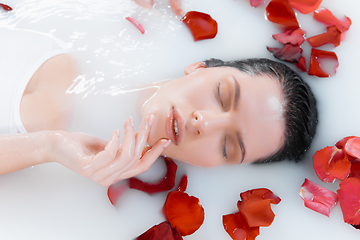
x: 103, y: 162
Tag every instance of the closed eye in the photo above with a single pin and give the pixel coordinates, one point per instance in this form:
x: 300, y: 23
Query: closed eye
x: 218, y: 94
x: 224, y: 148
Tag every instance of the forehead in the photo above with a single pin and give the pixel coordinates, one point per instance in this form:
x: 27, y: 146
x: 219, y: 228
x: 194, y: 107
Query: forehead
x: 260, y: 117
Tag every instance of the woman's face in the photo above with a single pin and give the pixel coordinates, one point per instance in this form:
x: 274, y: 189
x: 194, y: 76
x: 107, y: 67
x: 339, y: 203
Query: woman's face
x: 216, y: 116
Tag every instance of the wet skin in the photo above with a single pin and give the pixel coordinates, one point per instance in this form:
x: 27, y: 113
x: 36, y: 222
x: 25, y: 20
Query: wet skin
x: 223, y: 116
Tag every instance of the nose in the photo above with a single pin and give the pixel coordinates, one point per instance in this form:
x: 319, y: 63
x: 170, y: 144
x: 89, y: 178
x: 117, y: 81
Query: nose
x: 205, y: 123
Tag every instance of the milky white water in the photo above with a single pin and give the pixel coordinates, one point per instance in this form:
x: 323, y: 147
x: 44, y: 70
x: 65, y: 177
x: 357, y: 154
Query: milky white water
x: 52, y: 202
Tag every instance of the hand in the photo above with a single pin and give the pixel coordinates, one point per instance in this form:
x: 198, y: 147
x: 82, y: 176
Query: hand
x: 175, y: 5
x: 108, y: 162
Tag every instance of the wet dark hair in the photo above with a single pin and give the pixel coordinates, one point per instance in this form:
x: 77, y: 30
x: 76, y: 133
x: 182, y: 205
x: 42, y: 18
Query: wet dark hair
x: 300, y: 105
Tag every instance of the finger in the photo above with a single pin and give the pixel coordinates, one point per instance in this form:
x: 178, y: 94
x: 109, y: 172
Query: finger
x: 146, y: 161
x: 142, y: 135
x: 176, y: 7
x: 122, y: 160
x: 106, y: 156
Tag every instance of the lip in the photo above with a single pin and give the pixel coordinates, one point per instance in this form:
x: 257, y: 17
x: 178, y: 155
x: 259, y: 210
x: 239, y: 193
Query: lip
x: 174, y: 114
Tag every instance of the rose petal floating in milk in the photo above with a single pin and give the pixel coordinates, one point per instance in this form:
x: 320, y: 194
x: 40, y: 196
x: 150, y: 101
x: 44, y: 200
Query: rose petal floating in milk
x: 355, y: 169
x: 292, y: 36
x: 331, y: 163
x: 279, y: 11
x: 318, y: 198
x: 201, y: 25
x: 289, y: 53
x: 183, y: 184
x: 162, y: 231
x: 6, y: 7
x: 256, y: 3
x: 319, y: 61
x: 332, y: 35
x: 184, y: 212
x: 236, y: 226
x: 136, y: 24
x: 255, y: 206
x: 305, y: 6
x: 349, y: 199
x: 301, y: 64
x: 165, y: 184
x: 115, y: 191
x: 352, y: 147
x: 325, y: 16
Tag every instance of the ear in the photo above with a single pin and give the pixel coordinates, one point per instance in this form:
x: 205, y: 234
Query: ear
x: 193, y: 67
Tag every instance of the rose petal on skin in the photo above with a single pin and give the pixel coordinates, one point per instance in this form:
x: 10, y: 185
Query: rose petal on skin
x: 331, y: 163
x: 352, y: 147
x: 301, y: 64
x: 6, y: 7
x: 279, y: 11
x: 315, y: 67
x: 332, y: 35
x: 165, y: 184
x: 325, y: 16
x: 349, y: 199
x: 201, y: 25
x: 115, y: 191
x: 305, y: 6
x: 183, y: 184
x: 184, y: 212
x: 136, y: 24
x: 318, y: 198
x: 235, y: 224
x: 256, y: 3
x: 293, y: 36
x: 162, y: 231
x: 289, y: 53
x: 258, y: 212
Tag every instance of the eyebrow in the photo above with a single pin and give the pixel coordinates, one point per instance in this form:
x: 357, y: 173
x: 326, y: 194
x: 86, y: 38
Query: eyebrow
x: 241, y: 145
x: 236, y: 95
x: 235, y: 106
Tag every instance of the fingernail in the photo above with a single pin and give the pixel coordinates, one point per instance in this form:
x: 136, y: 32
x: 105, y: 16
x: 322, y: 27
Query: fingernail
x: 151, y: 119
x: 131, y: 120
x: 167, y: 143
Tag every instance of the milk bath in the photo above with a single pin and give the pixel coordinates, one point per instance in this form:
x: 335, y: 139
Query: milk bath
x: 51, y: 202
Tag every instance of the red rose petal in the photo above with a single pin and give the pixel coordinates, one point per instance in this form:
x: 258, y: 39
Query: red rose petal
x: 341, y: 144
x: 318, y: 198
x: 288, y: 52
x: 235, y: 224
x: 315, y: 66
x: 256, y: 3
x: 325, y: 16
x: 165, y: 184
x: 352, y: 147
x: 305, y: 6
x: 333, y: 35
x: 355, y: 169
x: 260, y: 193
x: 279, y: 11
x: 162, y: 231
x: 184, y: 212
x: 293, y: 36
x: 6, y: 7
x: 116, y: 190
x: 349, y: 199
x: 331, y: 163
x: 183, y: 184
x: 201, y: 25
x: 136, y: 24
x: 301, y: 64
x: 257, y: 211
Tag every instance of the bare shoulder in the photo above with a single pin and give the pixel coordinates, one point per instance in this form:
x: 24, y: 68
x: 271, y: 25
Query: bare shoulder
x: 45, y: 104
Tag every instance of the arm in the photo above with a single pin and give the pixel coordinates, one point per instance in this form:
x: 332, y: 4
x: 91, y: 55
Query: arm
x: 103, y: 162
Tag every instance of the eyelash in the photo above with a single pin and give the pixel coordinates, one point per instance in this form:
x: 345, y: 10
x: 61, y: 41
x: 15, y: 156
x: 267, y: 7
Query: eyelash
x: 224, y: 148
